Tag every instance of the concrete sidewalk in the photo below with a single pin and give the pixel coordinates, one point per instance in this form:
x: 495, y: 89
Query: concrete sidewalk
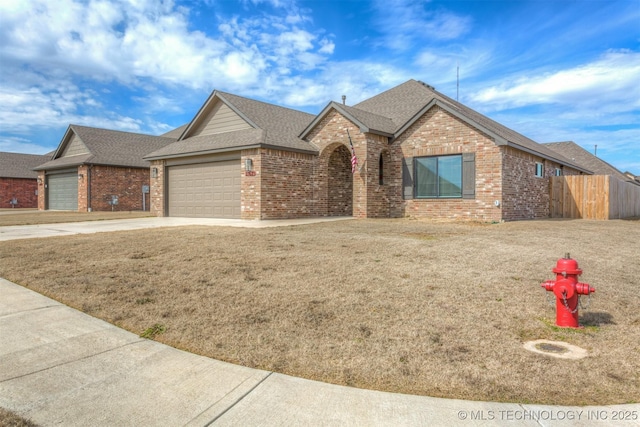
x: 87, y: 227
x: 59, y: 366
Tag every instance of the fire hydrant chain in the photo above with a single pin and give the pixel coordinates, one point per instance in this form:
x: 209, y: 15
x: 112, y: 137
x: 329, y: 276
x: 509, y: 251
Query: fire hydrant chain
x: 566, y: 304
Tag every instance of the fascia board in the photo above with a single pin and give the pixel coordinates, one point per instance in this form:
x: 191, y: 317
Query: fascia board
x: 197, y: 116
x: 498, y: 139
x: 544, y: 156
x: 202, y: 152
x: 227, y: 149
x: 63, y: 142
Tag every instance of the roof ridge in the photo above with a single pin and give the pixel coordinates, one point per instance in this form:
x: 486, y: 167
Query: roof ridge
x: 263, y: 102
x: 72, y: 126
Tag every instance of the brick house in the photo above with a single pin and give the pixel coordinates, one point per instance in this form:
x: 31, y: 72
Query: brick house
x: 18, y: 181
x: 419, y: 153
x: 579, y: 155
x: 98, y: 170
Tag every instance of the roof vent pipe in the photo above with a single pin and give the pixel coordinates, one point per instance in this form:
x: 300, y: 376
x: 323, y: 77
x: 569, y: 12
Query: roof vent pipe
x: 344, y: 99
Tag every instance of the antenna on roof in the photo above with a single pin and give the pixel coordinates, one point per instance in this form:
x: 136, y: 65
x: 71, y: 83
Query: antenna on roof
x: 595, y: 151
x: 457, y: 80
x: 344, y: 99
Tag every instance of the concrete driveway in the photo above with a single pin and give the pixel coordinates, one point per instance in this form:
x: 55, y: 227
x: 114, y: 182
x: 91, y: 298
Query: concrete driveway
x: 88, y: 227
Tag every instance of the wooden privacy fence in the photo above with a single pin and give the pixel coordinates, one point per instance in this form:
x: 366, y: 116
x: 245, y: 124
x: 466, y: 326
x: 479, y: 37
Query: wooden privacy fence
x: 593, y: 197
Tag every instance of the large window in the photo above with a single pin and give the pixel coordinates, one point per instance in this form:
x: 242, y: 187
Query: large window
x: 438, y: 177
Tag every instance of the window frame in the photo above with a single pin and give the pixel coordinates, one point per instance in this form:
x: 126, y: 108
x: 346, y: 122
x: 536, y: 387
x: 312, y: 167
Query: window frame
x: 415, y: 177
x: 539, y: 165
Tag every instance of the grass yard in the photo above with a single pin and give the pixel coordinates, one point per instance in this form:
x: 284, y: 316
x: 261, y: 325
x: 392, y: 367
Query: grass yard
x: 420, y: 307
x: 52, y: 217
x: 10, y: 419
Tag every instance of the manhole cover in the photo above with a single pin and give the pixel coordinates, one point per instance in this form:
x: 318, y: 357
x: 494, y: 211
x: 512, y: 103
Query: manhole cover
x: 551, y: 348
x: 559, y: 349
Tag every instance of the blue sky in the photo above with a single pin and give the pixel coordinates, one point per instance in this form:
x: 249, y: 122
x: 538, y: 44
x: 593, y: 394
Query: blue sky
x: 553, y: 70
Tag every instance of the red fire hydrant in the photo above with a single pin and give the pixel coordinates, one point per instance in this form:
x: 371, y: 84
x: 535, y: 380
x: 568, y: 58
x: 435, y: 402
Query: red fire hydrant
x: 566, y: 289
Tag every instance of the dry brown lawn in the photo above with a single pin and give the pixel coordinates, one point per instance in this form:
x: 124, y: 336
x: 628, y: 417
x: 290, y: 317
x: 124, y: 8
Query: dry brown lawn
x: 11, y: 419
x: 420, y: 307
x: 25, y: 217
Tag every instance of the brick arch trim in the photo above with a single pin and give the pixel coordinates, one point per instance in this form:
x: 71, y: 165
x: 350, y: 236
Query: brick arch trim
x: 335, y: 180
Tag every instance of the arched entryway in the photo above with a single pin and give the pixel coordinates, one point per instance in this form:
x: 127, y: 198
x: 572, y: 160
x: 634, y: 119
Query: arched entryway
x: 340, y: 183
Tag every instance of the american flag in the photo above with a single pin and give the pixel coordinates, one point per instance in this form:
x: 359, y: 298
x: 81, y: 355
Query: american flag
x: 354, y: 159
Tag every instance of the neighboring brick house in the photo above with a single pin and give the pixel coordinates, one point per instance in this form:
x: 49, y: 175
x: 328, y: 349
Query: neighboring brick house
x: 18, y: 181
x: 579, y: 155
x: 419, y: 154
x: 93, y: 168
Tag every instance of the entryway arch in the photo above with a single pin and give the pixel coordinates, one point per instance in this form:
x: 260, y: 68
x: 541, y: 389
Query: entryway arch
x: 339, y: 180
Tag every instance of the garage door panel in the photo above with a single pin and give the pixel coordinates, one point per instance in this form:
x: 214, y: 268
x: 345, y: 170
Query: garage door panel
x: 205, y: 190
x: 62, y: 191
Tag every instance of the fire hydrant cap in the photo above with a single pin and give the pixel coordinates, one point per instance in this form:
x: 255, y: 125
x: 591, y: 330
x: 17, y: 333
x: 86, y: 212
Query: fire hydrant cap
x: 568, y: 266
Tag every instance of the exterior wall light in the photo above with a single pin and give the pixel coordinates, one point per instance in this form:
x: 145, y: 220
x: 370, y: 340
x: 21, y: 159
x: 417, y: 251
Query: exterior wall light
x: 248, y: 165
x: 80, y: 176
x: 154, y: 172
x: 39, y: 180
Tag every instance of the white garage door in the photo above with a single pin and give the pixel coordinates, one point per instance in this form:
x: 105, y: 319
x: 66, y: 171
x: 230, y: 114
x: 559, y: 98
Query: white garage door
x: 62, y: 191
x: 206, y: 190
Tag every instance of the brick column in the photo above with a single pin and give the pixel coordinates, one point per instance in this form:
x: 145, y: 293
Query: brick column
x: 157, y: 190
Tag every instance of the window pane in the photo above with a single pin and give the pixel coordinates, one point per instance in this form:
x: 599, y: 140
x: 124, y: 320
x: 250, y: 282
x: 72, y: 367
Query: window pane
x: 426, y: 177
x: 450, y: 171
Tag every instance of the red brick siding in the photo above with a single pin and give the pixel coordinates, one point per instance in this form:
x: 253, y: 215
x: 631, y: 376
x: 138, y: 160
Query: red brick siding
x: 126, y: 183
x: 340, y: 188
x: 526, y: 196
x: 328, y: 135
x: 440, y: 133
x: 41, y: 191
x: 285, y: 188
x: 378, y: 201
x: 83, y: 188
x: 156, y: 191
x: 251, y: 186
x: 22, y: 189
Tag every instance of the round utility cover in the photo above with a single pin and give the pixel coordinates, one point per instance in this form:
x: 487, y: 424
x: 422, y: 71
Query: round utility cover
x: 558, y: 349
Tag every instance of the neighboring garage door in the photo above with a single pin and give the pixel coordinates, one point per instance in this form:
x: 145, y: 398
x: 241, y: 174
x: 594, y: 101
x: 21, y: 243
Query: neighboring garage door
x: 206, y: 190
x: 63, y: 191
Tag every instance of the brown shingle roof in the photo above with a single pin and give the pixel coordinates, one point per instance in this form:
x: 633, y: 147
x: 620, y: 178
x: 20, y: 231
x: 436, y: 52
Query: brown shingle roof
x: 574, y: 152
x: 277, y: 127
x: 176, y: 133
x: 107, y: 147
x: 405, y: 103
x: 205, y: 144
x: 17, y: 165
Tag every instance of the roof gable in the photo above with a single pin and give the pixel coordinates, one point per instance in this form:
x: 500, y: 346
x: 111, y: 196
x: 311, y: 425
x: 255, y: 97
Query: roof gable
x: 365, y: 120
x: 229, y: 122
x: 104, y: 147
x: 215, y: 117
x: 406, y: 103
x: 74, y: 147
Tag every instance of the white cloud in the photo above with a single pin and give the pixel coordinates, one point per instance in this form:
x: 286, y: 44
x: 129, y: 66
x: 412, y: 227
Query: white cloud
x: 406, y: 23
x: 613, y: 78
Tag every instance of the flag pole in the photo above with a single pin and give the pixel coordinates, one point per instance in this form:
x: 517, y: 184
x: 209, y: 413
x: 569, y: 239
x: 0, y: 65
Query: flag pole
x: 354, y: 159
